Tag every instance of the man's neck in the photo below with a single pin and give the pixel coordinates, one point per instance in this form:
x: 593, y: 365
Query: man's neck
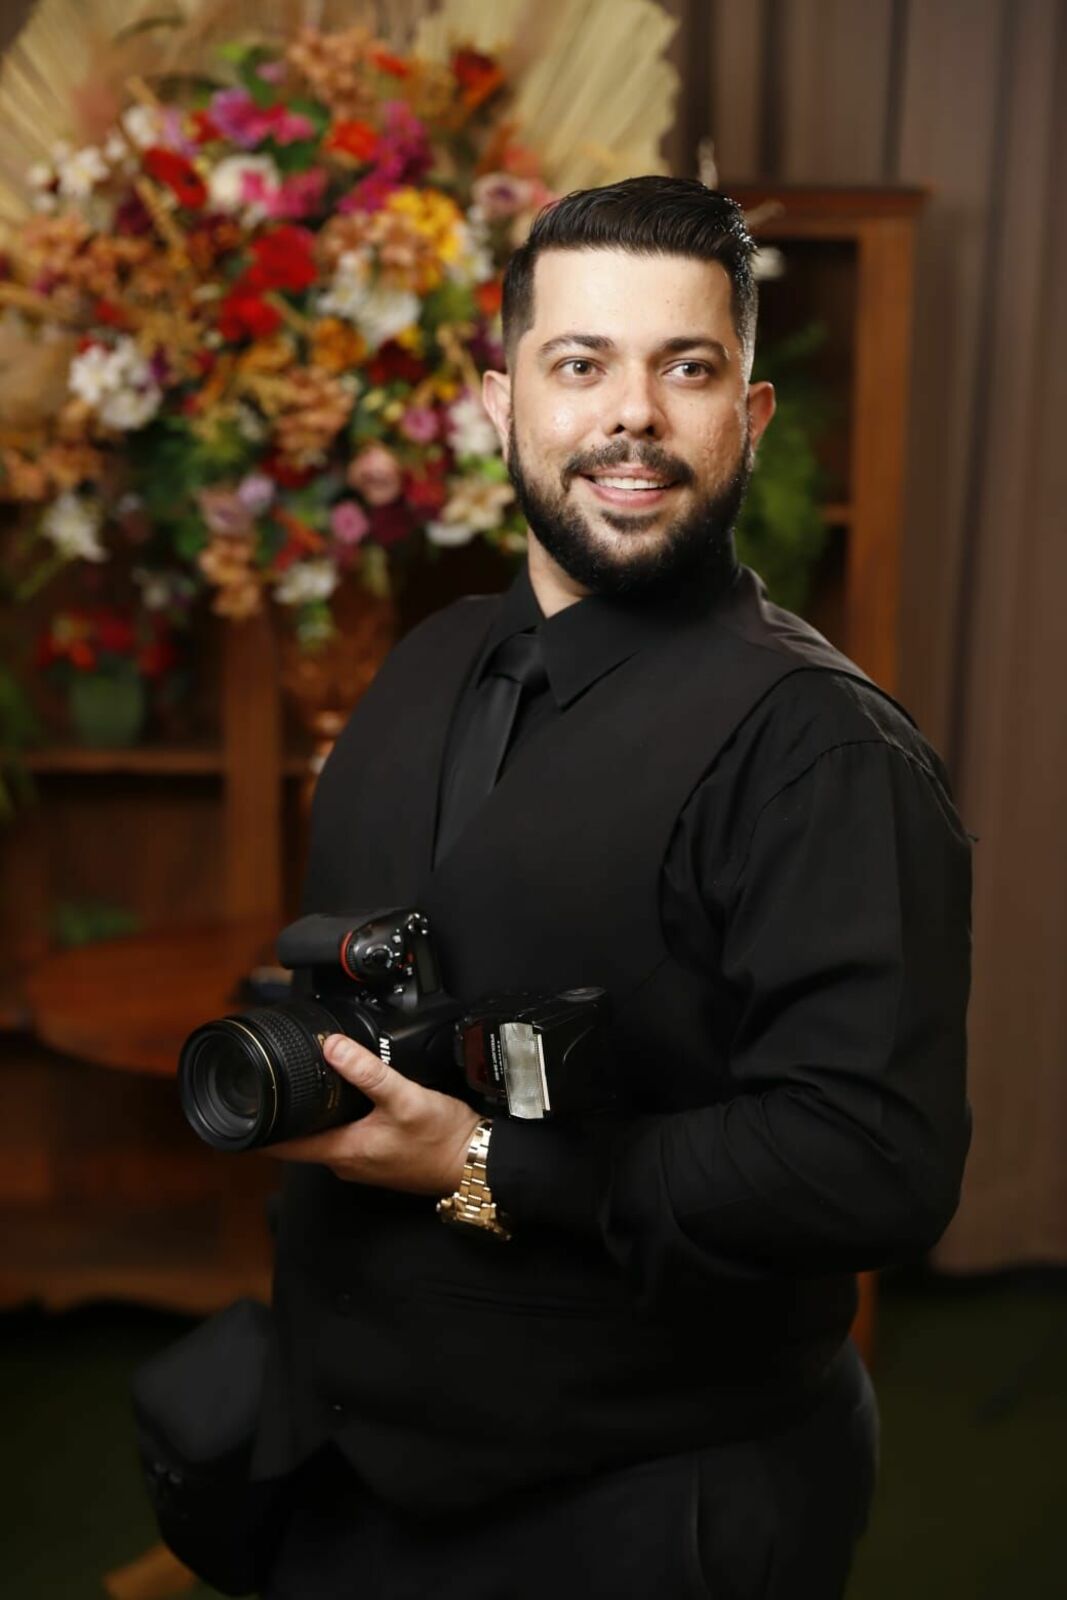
x: 554, y: 588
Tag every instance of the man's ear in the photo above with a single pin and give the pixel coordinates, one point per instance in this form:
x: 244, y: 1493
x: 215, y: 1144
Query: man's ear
x: 761, y: 404
x: 496, y: 398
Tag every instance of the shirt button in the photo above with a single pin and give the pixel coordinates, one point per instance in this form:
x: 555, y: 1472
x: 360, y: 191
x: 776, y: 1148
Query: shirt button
x: 344, y: 1303
x: 338, y: 1408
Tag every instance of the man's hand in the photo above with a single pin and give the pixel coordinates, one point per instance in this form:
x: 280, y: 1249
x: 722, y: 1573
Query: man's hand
x: 415, y: 1139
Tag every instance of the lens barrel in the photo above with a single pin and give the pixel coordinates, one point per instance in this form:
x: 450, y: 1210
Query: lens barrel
x: 260, y: 1077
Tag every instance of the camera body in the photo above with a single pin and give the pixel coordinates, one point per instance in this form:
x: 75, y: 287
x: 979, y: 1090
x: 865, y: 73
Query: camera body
x: 260, y: 1077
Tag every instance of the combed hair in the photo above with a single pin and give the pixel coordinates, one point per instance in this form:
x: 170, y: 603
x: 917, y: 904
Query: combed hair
x: 647, y: 216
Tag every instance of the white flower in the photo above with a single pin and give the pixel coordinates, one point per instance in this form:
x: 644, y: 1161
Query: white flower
x: 448, y: 534
x: 306, y: 580
x: 40, y: 175
x: 143, y: 126
x: 470, y: 432
x: 162, y: 589
x: 130, y: 408
x: 474, y: 264
x: 92, y: 375
x: 477, y: 503
x: 378, y: 312
x: 73, y: 525
x: 117, y: 383
x: 226, y: 183
x: 45, y: 202
x: 80, y: 173
x: 250, y: 425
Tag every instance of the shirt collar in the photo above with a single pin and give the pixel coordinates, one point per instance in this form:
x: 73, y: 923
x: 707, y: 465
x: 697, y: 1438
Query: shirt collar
x: 585, y: 641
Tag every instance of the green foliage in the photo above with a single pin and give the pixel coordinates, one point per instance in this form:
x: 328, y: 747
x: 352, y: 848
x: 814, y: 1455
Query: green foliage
x: 81, y: 922
x: 781, y: 532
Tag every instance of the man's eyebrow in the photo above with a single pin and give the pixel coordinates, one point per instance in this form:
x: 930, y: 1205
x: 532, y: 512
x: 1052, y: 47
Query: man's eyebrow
x: 669, y: 347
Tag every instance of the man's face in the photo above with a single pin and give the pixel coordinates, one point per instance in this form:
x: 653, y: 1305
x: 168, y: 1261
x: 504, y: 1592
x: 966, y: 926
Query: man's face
x: 628, y: 422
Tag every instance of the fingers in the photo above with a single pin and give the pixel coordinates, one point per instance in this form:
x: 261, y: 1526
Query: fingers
x: 364, y: 1069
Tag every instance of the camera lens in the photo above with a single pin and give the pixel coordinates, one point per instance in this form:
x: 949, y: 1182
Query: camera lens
x: 228, y: 1085
x: 254, y: 1079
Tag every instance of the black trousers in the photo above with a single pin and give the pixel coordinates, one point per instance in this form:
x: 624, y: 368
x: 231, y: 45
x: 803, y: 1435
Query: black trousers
x: 775, y: 1518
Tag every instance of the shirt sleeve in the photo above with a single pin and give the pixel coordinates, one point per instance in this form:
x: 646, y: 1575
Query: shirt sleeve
x: 845, y: 944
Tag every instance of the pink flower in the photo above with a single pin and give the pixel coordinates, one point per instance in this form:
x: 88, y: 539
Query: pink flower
x: 239, y: 119
x: 224, y: 511
x: 299, y: 195
x: 420, y: 424
x: 370, y: 194
x: 255, y: 492
x: 349, y: 522
x: 498, y: 194
x: 375, y: 473
x: 287, y: 127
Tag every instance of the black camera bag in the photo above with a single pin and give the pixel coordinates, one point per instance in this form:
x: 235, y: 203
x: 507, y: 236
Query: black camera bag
x: 196, y: 1405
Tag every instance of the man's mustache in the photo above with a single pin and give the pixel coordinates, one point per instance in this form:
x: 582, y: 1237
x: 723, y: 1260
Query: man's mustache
x: 655, y: 460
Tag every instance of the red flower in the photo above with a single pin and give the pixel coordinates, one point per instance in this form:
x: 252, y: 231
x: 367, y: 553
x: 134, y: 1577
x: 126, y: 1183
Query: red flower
x: 284, y: 473
x: 489, y: 297
x: 80, y: 654
x: 478, y: 76
x: 109, y: 313
x: 247, y: 316
x: 428, y: 491
x: 385, y: 62
x: 157, y: 658
x: 283, y: 260
x: 356, y: 139
x: 390, y: 524
x: 179, y: 175
x: 115, y: 633
x: 202, y: 128
x: 205, y: 361
x: 393, y: 363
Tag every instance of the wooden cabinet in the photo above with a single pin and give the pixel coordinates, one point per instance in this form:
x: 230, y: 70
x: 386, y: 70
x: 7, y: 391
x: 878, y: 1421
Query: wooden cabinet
x: 211, y: 828
x: 849, y: 262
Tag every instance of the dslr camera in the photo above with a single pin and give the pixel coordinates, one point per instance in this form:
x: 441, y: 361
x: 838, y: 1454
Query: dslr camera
x: 259, y: 1076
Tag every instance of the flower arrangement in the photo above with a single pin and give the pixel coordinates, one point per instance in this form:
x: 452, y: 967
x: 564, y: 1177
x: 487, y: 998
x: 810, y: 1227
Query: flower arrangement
x: 271, y: 302
x: 106, y: 639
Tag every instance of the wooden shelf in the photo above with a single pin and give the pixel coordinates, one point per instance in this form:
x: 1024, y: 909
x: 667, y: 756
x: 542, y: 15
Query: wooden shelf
x: 146, y: 760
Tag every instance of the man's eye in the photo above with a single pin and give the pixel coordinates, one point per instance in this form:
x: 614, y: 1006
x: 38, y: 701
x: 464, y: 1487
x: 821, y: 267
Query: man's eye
x: 573, y: 363
x: 692, y: 369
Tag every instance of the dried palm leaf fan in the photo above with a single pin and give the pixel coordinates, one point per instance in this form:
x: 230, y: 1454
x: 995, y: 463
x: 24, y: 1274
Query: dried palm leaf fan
x: 593, y: 97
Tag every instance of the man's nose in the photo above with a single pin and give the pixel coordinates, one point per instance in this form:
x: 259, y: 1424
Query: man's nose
x: 634, y: 406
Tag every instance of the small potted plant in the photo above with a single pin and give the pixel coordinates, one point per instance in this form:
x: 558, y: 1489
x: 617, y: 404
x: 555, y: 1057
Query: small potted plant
x: 106, y: 658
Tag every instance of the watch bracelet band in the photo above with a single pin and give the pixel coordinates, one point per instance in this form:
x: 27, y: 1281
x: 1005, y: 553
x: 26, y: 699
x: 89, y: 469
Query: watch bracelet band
x: 472, y: 1204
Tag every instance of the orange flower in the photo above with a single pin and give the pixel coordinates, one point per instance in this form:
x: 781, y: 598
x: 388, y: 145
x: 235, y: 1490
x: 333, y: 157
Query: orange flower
x: 336, y: 346
x: 352, y: 138
x: 477, y: 75
x: 490, y: 297
x: 300, y: 533
x: 385, y: 62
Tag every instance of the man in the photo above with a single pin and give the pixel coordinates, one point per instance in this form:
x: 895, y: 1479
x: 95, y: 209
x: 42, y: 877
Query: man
x: 626, y: 1371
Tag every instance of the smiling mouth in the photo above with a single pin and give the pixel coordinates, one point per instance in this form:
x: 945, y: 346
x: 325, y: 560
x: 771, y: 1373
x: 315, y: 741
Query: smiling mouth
x: 621, y: 489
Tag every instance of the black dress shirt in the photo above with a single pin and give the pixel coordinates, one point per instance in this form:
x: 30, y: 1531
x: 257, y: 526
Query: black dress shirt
x: 820, y: 876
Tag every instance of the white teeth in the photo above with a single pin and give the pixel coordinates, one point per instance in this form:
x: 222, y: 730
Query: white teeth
x: 630, y: 483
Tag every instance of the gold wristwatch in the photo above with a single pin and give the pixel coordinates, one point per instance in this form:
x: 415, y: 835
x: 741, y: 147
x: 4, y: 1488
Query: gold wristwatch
x: 472, y: 1205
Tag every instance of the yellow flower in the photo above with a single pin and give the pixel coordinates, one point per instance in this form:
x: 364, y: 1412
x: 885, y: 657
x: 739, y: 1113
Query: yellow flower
x: 433, y: 215
x: 411, y: 339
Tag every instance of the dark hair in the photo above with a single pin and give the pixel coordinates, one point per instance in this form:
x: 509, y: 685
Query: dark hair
x: 648, y: 216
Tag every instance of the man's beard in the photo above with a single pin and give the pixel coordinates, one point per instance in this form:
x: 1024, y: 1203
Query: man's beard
x: 696, y: 549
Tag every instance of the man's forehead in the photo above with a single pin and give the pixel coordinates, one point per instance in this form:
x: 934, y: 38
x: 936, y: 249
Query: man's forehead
x: 619, y: 291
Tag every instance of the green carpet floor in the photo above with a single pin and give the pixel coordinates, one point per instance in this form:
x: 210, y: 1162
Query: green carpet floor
x: 972, y: 1381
